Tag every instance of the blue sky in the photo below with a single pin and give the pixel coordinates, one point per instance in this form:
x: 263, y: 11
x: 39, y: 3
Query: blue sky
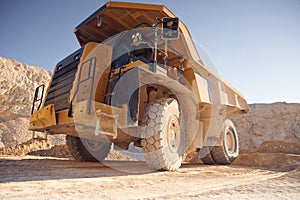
x: 255, y: 44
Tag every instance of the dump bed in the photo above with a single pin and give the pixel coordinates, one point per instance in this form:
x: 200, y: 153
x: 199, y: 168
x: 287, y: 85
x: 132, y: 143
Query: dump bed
x: 117, y: 17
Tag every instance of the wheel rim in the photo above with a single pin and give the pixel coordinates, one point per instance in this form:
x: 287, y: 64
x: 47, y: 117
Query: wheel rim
x: 173, y: 134
x: 230, y: 142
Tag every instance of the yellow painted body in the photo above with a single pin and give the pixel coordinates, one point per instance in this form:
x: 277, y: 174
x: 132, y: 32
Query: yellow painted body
x: 43, y: 118
x: 117, y: 17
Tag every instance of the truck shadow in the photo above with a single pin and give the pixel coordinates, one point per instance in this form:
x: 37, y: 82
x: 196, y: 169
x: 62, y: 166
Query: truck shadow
x: 37, y: 168
x: 33, y: 168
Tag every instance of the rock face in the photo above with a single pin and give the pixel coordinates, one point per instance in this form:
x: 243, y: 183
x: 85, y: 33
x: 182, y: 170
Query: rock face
x: 266, y: 122
x: 17, y: 84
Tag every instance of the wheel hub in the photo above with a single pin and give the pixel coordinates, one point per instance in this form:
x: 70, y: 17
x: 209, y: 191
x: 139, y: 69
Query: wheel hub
x: 173, y: 134
x: 229, y: 141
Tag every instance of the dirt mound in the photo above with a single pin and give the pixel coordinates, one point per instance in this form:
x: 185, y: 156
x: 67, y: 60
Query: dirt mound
x: 272, y: 161
x: 279, y: 146
x: 280, y: 155
x: 275, y: 154
x: 58, y: 151
x: 25, y: 148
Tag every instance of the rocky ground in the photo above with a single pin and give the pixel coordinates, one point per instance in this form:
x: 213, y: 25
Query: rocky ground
x: 40, y: 170
x: 267, y: 167
x: 33, y: 177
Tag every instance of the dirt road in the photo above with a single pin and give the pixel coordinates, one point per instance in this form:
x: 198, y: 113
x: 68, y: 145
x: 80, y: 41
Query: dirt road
x: 32, y: 177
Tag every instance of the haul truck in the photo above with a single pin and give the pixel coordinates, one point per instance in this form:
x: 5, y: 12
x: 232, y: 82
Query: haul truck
x: 139, y: 78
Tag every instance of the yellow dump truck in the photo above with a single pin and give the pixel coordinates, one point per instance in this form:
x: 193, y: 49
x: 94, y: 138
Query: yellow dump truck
x: 139, y: 78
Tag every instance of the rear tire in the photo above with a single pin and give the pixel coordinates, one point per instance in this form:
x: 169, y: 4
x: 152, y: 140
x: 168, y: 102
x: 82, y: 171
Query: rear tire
x: 87, y: 150
x: 205, y: 155
x: 163, y: 143
x: 229, y: 150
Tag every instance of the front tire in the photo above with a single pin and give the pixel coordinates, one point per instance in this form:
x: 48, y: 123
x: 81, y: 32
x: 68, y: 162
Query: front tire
x: 163, y: 143
x: 87, y: 150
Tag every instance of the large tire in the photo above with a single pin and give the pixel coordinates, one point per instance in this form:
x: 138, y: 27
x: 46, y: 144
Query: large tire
x: 227, y: 152
x: 163, y: 143
x: 229, y: 149
x: 87, y: 150
x: 206, y: 156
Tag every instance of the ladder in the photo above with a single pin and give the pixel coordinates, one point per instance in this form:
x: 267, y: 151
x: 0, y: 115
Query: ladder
x: 112, y: 80
x: 91, y: 63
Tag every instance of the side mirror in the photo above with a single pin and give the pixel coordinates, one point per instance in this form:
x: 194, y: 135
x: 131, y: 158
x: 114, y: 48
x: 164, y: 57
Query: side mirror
x: 170, y: 28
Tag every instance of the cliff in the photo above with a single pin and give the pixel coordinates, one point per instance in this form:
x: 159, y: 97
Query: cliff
x: 17, y: 84
x: 265, y: 122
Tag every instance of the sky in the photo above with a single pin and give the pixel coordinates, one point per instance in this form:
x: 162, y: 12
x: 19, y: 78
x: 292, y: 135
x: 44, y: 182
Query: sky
x: 255, y: 44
